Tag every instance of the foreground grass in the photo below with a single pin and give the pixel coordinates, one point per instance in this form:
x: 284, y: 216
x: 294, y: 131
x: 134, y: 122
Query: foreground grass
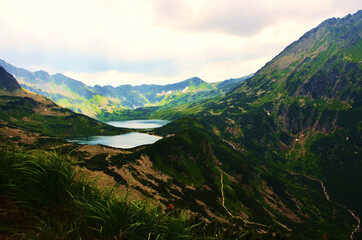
x: 43, y: 196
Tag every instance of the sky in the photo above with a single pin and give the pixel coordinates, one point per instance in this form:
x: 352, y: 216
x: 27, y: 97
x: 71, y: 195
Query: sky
x: 116, y: 42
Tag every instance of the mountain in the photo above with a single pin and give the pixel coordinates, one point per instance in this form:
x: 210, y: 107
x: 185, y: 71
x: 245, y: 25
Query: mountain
x: 305, y: 104
x: 174, y: 103
x: 232, y: 82
x: 24, y: 114
x: 280, y: 151
x: 64, y: 91
x: 7, y: 82
x: 153, y: 95
x: 100, y: 102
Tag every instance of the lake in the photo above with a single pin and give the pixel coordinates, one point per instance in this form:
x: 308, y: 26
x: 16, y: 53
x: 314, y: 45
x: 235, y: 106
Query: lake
x: 138, y: 124
x: 128, y: 140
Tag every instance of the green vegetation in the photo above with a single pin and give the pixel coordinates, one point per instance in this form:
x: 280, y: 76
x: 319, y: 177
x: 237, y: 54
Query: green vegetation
x: 38, y: 114
x: 254, y: 189
x: 169, y: 108
x: 43, y: 196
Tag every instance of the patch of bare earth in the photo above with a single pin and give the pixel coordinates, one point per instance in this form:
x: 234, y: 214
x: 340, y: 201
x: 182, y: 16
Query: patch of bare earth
x: 93, y: 150
x: 99, y: 177
x: 142, y: 169
x: 211, y: 214
x: 145, y: 167
x: 277, y: 204
x: 24, y: 136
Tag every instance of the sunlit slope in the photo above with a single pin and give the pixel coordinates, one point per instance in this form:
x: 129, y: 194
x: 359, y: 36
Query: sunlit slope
x: 33, y: 112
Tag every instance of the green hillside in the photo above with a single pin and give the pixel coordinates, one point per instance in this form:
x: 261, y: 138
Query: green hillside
x: 305, y: 105
x: 20, y: 109
x: 44, y: 196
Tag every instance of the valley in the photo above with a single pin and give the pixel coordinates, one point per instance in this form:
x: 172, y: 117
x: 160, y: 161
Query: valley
x: 275, y: 155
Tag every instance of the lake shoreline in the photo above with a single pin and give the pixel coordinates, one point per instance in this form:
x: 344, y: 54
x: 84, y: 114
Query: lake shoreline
x: 128, y: 140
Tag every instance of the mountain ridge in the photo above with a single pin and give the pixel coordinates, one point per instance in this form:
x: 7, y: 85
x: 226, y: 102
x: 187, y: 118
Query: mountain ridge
x: 100, y: 100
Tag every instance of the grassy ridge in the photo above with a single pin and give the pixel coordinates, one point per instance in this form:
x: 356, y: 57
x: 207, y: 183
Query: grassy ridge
x: 39, y: 114
x: 43, y: 196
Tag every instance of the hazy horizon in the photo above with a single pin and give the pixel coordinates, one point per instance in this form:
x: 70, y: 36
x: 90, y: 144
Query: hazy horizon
x: 110, y: 42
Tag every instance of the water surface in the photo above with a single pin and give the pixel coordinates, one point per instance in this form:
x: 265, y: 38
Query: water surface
x: 129, y: 140
x: 138, y: 124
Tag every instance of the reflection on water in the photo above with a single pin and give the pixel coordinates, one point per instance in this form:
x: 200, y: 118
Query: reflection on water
x: 129, y: 140
x: 138, y: 124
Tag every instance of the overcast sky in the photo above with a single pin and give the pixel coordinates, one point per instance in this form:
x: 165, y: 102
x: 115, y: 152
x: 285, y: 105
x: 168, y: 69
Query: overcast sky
x: 155, y: 41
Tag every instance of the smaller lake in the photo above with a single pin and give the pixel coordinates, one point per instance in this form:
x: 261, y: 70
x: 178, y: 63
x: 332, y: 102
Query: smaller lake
x: 138, y: 124
x: 129, y: 140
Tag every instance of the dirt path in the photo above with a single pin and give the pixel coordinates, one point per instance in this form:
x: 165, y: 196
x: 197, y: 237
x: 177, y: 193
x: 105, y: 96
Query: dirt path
x: 227, y: 210
x: 223, y: 197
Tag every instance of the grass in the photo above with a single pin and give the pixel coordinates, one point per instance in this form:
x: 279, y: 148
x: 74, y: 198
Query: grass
x: 44, y: 196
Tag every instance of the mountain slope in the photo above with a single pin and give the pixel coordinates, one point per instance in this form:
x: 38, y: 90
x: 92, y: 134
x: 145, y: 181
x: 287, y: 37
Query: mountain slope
x: 64, y: 91
x: 193, y: 169
x: 312, y: 94
x: 7, y: 82
x: 315, y: 65
x: 34, y: 113
x: 305, y: 107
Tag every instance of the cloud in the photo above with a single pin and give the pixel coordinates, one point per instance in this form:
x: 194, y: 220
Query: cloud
x: 247, y: 17
x: 142, y: 41
x: 116, y: 78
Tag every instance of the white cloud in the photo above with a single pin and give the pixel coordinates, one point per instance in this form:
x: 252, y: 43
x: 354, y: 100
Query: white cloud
x: 155, y: 41
x: 115, y: 78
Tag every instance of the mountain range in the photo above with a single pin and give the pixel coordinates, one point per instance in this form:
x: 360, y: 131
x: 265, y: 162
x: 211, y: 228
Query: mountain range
x: 100, y: 101
x: 278, y: 155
